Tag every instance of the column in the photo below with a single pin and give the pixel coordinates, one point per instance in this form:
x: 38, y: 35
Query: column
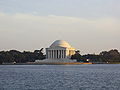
x: 64, y: 54
x: 48, y: 53
x: 55, y: 53
x: 58, y: 53
x: 61, y: 54
x: 52, y: 53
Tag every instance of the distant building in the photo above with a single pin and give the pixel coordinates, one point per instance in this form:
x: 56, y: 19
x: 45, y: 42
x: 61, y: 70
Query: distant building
x: 58, y: 52
x: 59, y: 49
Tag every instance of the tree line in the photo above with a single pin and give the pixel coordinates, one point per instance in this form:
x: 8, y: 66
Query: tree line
x: 20, y: 57
x: 104, y: 56
x: 27, y: 56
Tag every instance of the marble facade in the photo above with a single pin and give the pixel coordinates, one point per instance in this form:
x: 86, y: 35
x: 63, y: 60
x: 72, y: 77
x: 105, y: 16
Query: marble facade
x: 59, y: 49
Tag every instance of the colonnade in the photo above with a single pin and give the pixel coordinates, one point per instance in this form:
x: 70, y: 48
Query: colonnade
x: 56, y: 54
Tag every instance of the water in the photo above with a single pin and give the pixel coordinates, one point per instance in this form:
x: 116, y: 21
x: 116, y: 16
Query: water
x: 60, y: 77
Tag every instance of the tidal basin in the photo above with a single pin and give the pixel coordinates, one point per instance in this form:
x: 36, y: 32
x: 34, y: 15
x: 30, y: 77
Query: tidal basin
x: 60, y: 77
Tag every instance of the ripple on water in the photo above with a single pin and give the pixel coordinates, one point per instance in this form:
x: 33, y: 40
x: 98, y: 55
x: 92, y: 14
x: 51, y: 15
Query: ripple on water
x: 60, y: 77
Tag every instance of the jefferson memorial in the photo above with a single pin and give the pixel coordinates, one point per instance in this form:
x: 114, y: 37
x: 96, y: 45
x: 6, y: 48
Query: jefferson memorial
x: 59, y: 51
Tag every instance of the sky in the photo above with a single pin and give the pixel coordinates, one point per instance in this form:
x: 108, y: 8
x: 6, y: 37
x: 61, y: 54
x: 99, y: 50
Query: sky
x: 90, y: 26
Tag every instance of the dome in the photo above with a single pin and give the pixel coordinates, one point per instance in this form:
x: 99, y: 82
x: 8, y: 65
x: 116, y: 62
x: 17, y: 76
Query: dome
x: 60, y: 43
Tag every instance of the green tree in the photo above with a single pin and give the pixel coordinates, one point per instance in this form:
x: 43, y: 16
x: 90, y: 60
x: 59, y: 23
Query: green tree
x: 76, y: 56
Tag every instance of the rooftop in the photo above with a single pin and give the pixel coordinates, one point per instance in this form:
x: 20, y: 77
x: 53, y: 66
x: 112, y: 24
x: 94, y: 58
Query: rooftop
x: 60, y: 43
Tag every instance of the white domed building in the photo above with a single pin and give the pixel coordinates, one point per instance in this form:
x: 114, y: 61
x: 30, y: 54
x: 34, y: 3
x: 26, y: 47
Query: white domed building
x: 58, y: 52
x: 59, y: 49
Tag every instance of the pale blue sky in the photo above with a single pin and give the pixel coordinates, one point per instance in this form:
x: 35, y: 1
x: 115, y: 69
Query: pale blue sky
x: 77, y: 8
x: 88, y: 25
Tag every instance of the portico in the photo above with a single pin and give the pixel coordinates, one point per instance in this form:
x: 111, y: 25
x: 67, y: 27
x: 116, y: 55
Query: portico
x: 55, y: 54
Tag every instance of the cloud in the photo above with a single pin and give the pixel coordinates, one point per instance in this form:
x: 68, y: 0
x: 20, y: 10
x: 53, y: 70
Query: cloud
x: 50, y: 19
x: 102, y: 24
x: 28, y: 31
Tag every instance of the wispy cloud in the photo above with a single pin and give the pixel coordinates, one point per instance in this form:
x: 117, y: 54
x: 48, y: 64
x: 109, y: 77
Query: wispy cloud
x: 99, y: 24
x: 31, y: 30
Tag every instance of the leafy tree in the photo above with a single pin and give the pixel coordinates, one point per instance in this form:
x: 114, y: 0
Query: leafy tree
x: 76, y: 56
x: 110, y: 56
x: 20, y: 57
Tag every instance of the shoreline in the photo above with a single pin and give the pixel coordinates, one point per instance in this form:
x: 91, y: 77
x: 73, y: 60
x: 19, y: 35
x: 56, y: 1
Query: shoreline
x: 59, y: 63
x: 47, y: 63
